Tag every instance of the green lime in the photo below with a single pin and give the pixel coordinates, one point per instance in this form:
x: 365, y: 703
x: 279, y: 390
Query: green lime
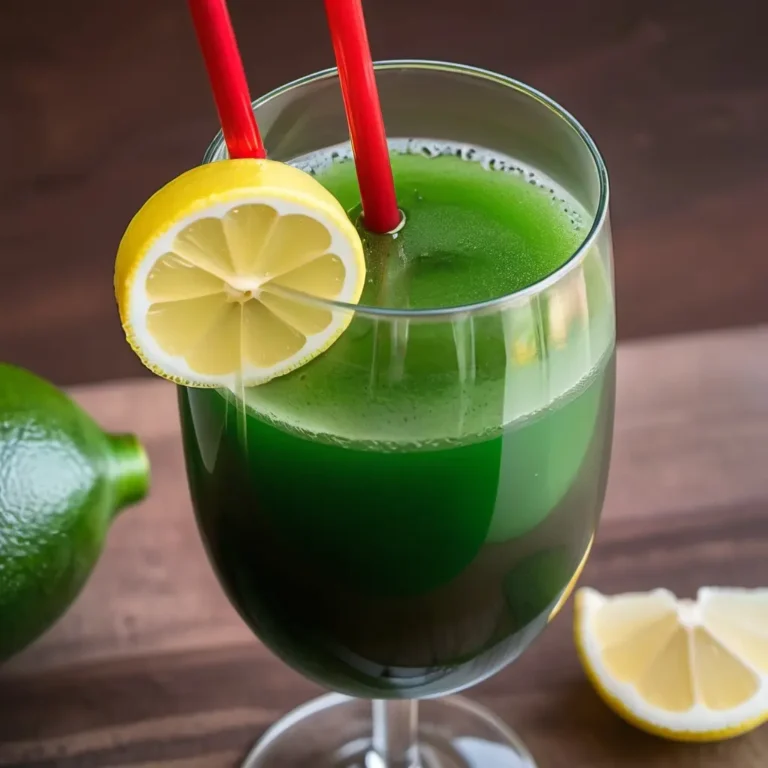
x: 62, y: 479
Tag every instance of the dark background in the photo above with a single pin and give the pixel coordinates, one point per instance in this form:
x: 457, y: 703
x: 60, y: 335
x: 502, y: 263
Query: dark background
x: 102, y: 101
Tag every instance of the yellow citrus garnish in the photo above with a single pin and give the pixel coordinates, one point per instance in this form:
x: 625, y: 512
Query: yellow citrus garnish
x: 211, y: 272
x: 681, y: 669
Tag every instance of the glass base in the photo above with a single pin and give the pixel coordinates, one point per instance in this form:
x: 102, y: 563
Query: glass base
x: 335, y: 731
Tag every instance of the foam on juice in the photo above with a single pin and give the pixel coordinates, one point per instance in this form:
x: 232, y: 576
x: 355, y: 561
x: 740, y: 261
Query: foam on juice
x: 319, y: 162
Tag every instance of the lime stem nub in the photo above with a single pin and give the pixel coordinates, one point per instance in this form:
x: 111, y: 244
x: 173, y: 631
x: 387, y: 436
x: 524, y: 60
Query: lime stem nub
x: 128, y: 470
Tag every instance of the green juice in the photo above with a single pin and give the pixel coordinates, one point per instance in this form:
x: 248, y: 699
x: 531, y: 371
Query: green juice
x: 400, y: 516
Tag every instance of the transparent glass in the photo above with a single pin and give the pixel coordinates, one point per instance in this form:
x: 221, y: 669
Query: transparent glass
x: 431, y: 509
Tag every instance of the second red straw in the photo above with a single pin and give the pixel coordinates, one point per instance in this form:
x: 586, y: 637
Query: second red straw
x: 366, y: 124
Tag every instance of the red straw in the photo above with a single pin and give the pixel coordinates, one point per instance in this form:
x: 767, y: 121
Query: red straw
x: 366, y: 125
x: 225, y: 70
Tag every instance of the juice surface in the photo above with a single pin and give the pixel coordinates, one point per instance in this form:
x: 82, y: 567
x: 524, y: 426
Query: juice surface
x: 472, y: 232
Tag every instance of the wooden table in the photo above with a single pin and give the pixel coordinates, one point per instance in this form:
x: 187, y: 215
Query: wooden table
x: 153, y: 668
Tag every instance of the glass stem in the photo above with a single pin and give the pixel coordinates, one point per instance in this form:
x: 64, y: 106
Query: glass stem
x: 395, y: 732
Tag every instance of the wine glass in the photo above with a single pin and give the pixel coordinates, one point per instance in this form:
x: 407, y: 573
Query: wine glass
x: 401, y: 517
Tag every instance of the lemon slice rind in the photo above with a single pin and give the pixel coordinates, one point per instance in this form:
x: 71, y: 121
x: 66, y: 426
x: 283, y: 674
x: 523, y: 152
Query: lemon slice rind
x: 698, y: 723
x: 212, y: 192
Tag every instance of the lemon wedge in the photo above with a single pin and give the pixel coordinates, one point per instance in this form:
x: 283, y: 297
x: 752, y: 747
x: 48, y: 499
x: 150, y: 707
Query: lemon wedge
x: 213, y: 274
x: 681, y: 669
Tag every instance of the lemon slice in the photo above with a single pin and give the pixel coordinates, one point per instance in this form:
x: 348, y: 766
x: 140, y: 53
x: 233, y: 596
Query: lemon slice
x: 682, y: 669
x: 213, y: 273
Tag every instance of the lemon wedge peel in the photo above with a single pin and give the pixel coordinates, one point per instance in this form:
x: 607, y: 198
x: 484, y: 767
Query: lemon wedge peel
x: 699, y: 722
x: 214, y: 192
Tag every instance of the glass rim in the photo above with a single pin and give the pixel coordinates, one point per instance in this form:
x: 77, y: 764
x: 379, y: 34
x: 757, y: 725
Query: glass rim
x: 499, y: 302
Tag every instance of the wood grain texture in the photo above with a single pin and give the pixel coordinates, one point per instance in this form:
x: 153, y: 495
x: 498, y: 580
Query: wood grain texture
x: 104, y: 102
x: 152, y: 667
